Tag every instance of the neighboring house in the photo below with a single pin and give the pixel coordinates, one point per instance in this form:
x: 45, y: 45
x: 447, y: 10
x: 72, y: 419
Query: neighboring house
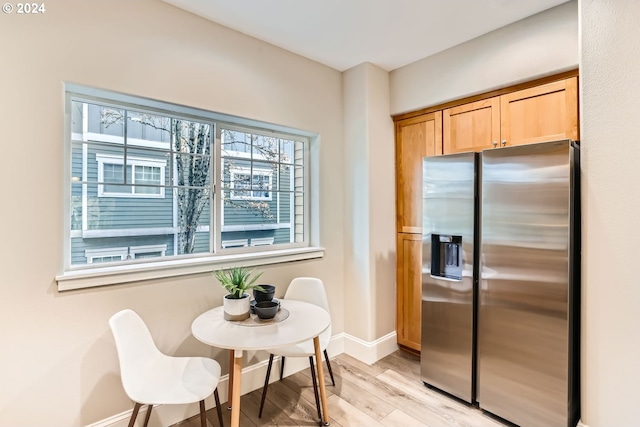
x: 126, y: 190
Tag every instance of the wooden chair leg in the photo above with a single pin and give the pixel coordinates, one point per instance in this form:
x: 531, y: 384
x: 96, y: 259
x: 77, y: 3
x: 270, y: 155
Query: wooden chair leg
x: 217, y: 396
x: 146, y: 419
x: 266, y: 384
x: 326, y: 357
x: 315, y: 387
x: 134, y: 414
x: 281, y: 367
x: 203, y: 416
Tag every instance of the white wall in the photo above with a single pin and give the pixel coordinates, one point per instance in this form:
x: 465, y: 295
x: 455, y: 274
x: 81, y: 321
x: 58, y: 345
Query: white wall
x: 58, y: 365
x: 369, y: 206
x: 534, y: 47
x: 610, y: 94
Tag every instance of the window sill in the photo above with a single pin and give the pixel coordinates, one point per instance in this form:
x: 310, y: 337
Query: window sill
x: 104, y: 276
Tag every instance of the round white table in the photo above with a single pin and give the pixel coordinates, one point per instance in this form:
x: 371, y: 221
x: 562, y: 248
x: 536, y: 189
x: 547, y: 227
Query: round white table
x: 306, y: 321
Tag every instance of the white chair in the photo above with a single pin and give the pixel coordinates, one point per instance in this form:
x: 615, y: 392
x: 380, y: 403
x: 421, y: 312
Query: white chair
x: 150, y: 377
x: 311, y: 290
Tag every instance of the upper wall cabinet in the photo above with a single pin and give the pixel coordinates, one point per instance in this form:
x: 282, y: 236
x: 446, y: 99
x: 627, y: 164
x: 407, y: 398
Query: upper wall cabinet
x: 416, y: 138
x: 541, y: 113
x: 471, y: 127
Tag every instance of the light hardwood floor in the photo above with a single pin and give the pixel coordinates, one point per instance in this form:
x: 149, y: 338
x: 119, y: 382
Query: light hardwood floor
x: 387, y: 393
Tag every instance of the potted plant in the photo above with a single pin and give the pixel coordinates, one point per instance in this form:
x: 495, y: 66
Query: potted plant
x: 237, y: 281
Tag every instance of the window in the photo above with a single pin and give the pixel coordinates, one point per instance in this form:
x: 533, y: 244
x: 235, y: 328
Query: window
x: 151, y: 181
x: 144, y: 177
x: 95, y: 256
x: 248, y: 185
x: 149, y: 251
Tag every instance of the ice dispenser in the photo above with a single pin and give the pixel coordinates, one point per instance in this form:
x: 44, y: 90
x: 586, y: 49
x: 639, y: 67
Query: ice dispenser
x: 446, y: 256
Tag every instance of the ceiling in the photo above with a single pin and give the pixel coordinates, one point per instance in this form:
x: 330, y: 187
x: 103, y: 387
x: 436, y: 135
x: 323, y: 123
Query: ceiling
x: 345, y: 33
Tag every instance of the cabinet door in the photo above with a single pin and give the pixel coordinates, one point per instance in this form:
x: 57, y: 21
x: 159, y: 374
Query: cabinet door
x: 416, y: 138
x: 409, y: 290
x: 471, y: 127
x: 542, y: 113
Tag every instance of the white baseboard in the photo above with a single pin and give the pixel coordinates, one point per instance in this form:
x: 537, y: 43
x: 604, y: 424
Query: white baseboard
x: 253, y: 379
x: 370, y: 352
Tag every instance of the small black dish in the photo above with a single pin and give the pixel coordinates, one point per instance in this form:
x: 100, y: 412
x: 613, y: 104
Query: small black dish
x: 252, y: 305
x: 267, y: 295
x: 266, y: 309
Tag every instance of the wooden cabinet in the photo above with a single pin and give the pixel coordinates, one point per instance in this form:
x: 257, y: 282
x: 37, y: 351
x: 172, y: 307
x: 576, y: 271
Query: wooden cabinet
x: 471, y: 127
x: 409, y: 290
x: 545, y: 110
x: 416, y: 138
x: 541, y: 113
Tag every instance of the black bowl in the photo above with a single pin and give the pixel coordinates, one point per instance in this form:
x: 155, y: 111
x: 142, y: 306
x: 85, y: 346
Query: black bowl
x: 266, y: 309
x: 270, y: 291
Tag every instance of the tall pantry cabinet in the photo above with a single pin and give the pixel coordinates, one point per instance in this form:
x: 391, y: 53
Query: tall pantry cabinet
x: 416, y: 138
x: 543, y: 110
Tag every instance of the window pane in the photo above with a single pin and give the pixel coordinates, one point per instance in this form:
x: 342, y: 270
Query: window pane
x: 76, y: 119
x: 148, y: 127
x: 76, y: 206
x: 192, y: 164
x: 105, y: 120
x: 286, y: 151
x: 235, y: 143
x: 147, y: 175
x: 192, y: 170
x: 130, y: 196
x: 99, y: 259
x: 258, y: 203
x: 265, y: 148
x: 147, y: 255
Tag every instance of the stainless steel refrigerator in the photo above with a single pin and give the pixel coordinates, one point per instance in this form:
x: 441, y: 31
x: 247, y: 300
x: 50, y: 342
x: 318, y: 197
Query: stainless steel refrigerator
x: 519, y: 357
x: 448, y: 272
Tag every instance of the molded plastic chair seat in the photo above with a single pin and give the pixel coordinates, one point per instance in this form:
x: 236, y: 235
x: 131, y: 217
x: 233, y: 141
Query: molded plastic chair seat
x: 150, y: 377
x: 176, y: 380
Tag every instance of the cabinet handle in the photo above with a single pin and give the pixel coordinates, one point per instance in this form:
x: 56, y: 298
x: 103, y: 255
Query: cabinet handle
x: 495, y: 144
x: 504, y: 142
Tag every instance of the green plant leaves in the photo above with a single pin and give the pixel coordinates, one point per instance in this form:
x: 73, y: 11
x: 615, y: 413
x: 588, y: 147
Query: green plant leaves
x: 238, y: 280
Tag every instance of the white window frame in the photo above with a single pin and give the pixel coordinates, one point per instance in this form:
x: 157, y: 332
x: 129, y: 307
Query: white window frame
x: 103, y: 159
x: 84, y: 276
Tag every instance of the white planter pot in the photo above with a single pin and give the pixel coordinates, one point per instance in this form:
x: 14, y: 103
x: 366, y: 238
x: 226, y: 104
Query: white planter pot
x: 236, y: 308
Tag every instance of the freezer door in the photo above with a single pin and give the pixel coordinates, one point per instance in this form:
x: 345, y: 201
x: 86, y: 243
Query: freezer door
x: 449, y: 202
x: 523, y: 318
